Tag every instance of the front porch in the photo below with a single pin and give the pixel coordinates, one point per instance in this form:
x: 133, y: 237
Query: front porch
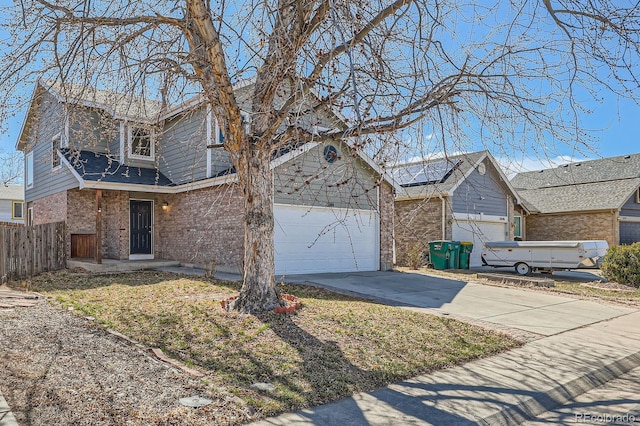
x: 114, y: 266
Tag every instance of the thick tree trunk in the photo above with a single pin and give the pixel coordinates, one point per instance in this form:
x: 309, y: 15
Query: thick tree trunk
x: 259, y: 292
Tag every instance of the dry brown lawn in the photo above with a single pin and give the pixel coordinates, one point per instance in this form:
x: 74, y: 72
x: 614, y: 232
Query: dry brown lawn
x: 333, y: 346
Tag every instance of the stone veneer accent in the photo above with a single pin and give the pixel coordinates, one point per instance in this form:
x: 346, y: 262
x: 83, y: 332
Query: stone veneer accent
x: 416, y: 223
x: 574, y: 226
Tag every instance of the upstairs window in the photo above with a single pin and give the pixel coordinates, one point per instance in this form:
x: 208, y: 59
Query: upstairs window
x: 141, y: 143
x: 215, y: 137
x: 28, y: 170
x: 17, y: 210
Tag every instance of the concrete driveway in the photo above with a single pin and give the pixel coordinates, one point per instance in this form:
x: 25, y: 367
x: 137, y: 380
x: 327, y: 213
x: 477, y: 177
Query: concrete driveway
x: 531, y: 311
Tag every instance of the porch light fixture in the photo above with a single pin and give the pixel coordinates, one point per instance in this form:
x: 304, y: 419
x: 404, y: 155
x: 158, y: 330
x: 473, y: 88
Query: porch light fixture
x: 165, y: 205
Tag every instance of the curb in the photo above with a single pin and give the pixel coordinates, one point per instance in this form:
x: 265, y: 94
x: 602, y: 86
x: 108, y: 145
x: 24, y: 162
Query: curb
x: 531, y: 407
x: 6, y: 416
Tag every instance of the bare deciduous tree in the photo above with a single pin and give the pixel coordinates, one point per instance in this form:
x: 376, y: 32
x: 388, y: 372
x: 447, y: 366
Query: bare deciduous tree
x: 509, y: 73
x: 10, y: 168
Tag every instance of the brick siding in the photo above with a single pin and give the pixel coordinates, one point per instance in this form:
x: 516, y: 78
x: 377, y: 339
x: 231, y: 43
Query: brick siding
x: 49, y: 209
x: 202, y: 225
x: 416, y: 223
x: 386, y: 226
x: 573, y: 226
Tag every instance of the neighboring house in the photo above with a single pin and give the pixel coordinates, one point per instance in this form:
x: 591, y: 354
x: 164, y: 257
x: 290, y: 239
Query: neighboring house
x: 12, y: 204
x: 587, y: 200
x: 155, y: 183
x: 461, y: 197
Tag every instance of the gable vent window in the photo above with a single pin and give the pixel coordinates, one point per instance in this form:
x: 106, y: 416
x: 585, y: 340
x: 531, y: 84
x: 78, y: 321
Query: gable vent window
x: 141, y: 143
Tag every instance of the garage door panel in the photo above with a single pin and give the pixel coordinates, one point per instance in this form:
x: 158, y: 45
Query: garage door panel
x: 325, y: 240
x: 478, y: 233
x: 629, y: 232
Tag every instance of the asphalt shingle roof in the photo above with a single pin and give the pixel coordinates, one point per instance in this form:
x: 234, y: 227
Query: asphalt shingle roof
x: 606, y: 169
x: 609, y: 195
x: 603, y: 184
x: 120, y: 104
x: 99, y: 167
x: 467, y: 161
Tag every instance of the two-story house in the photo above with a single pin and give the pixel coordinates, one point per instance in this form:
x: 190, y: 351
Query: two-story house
x: 150, y: 181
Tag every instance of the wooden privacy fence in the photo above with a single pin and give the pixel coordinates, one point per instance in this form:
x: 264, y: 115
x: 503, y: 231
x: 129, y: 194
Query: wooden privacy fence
x: 30, y: 250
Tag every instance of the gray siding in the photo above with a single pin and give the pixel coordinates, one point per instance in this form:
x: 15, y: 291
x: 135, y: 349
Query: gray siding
x: 46, y: 181
x: 181, y: 148
x: 630, y: 208
x: 92, y: 130
x: 310, y: 180
x: 481, y: 194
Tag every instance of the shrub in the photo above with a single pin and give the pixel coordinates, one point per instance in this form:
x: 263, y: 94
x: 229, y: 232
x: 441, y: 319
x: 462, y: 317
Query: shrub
x: 622, y: 264
x: 416, y: 255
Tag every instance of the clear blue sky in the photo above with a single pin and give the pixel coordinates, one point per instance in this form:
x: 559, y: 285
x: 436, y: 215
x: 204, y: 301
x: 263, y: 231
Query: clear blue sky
x: 614, y: 123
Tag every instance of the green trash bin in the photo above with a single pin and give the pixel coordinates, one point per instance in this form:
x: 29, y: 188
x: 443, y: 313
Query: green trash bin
x: 439, y: 253
x: 466, y: 248
x: 454, y: 254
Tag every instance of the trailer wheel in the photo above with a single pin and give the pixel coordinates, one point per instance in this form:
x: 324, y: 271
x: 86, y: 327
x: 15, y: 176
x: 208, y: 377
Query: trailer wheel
x: 523, y: 268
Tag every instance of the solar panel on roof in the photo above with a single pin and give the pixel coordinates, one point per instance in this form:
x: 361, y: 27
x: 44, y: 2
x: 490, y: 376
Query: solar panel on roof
x: 424, y: 173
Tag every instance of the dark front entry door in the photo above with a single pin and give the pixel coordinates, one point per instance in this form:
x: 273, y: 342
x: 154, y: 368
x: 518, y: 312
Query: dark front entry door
x: 141, y: 218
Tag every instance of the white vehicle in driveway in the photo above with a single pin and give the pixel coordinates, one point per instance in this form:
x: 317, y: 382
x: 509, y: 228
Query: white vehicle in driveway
x: 544, y: 256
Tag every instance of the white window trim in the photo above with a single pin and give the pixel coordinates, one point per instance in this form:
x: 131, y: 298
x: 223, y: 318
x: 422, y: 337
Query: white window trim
x: 122, y: 141
x: 152, y: 136
x: 13, y: 210
x: 58, y: 137
x: 514, y: 227
x: 30, y: 216
x: 28, y: 172
x: 638, y: 196
x: 64, y: 142
x: 213, y: 138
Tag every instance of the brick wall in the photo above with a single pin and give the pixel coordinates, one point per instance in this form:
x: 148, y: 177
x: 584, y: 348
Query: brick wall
x: 52, y: 208
x: 202, y: 225
x: 416, y: 223
x: 115, y: 224
x: 574, y: 226
x: 386, y: 226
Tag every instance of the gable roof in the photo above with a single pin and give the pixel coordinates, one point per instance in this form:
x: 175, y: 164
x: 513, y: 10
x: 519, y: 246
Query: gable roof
x: 609, y: 195
x: 461, y: 166
x: 604, y: 184
x: 602, y: 170
x: 11, y: 192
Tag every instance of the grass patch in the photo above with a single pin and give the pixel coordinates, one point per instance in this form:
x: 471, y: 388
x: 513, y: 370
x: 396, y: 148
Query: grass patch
x: 333, y: 346
x: 584, y: 290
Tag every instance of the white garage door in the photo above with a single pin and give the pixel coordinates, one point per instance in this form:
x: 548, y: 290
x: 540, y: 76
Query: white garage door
x: 478, y: 232
x: 311, y: 240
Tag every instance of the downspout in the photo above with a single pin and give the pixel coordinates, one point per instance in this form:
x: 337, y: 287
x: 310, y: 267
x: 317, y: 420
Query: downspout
x: 444, y: 218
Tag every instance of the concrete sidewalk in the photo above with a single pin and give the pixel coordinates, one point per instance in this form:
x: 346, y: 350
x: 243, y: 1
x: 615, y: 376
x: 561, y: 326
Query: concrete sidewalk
x: 535, y: 312
x: 505, y: 389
